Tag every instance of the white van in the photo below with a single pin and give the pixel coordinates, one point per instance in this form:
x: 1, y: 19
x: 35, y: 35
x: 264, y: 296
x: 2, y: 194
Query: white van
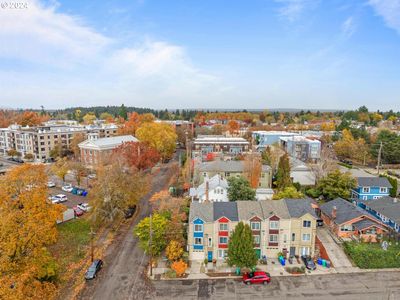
x: 59, y: 198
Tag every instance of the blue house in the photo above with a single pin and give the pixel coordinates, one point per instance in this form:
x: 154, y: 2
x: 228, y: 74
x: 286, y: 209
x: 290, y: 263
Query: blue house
x: 386, y: 209
x: 198, y: 234
x: 369, y: 188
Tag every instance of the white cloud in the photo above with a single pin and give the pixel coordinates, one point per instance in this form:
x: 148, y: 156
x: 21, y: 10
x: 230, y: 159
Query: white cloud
x: 389, y: 10
x: 79, y: 65
x: 293, y: 9
x: 348, y: 27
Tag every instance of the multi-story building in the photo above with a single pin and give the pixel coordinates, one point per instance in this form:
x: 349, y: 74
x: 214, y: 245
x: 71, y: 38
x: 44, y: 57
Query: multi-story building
x: 301, y: 147
x: 230, y: 168
x: 287, y: 226
x: 263, y: 139
x: 217, y: 143
x: 95, y: 150
x: 369, y: 188
x: 40, y: 140
x: 212, y: 189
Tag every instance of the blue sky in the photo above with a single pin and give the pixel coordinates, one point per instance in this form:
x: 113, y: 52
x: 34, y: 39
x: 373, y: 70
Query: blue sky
x: 331, y: 54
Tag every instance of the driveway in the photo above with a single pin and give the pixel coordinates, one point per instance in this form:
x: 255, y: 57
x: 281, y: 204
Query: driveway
x: 336, y: 254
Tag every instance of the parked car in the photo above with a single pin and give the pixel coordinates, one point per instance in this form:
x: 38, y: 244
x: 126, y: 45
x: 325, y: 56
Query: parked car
x: 308, y: 262
x: 84, y: 206
x: 51, y: 184
x: 18, y: 160
x: 78, y: 212
x: 94, y: 268
x: 320, y: 222
x: 67, y: 188
x: 59, y: 198
x: 130, y: 212
x: 256, y: 277
x: 92, y: 176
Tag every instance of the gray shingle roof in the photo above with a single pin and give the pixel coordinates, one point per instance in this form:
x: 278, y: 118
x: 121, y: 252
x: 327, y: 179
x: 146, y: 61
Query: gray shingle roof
x: 373, y: 181
x: 203, y: 211
x: 274, y: 207
x: 225, y: 209
x: 222, y: 166
x: 299, y: 207
x: 345, y: 211
x: 362, y: 224
x: 386, y: 206
x: 249, y: 209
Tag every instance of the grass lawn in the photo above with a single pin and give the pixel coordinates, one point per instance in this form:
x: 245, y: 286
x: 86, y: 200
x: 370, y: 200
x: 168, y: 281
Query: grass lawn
x: 372, y: 256
x: 72, y: 245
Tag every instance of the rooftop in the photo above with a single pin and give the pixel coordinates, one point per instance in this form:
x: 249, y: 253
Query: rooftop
x: 108, y: 143
x: 386, y: 206
x: 373, y: 182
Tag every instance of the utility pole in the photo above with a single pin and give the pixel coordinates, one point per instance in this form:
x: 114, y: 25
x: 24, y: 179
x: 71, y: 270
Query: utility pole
x: 379, y: 157
x: 150, y: 247
x: 92, y: 233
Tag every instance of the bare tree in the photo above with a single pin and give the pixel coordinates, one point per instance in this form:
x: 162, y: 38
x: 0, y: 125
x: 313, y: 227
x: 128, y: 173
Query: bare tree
x: 325, y: 164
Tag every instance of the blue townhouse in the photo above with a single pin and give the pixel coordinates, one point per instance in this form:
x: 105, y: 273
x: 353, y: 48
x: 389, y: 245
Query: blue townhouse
x: 386, y: 209
x: 369, y: 188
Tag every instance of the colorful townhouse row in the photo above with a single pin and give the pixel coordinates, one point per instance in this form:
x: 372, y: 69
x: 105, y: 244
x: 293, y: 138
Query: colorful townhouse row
x: 287, y: 226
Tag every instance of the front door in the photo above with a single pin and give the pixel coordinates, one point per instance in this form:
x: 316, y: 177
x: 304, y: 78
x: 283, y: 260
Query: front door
x: 210, y: 256
x: 292, y: 251
x: 258, y: 252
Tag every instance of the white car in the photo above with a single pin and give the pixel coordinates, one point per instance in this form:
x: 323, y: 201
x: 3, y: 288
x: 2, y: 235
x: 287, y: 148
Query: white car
x: 84, y: 206
x: 59, y: 198
x: 67, y: 188
x: 51, y: 184
x: 92, y: 176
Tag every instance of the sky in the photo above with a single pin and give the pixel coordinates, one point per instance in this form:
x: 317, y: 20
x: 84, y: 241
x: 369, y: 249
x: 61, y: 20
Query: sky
x: 242, y: 54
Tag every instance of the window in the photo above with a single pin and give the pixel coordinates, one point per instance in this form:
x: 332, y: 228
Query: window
x: 284, y: 238
x: 293, y: 237
x: 222, y: 253
x: 383, y: 190
x: 306, y: 236
x: 273, y: 238
x: 347, y: 227
x: 256, y: 239
x: 198, y: 241
x: 305, y: 250
x: 209, y: 242
x: 255, y: 225
x: 273, y: 224
x: 198, y: 227
x: 223, y: 240
x: 223, y: 227
x: 306, y: 223
x: 365, y: 189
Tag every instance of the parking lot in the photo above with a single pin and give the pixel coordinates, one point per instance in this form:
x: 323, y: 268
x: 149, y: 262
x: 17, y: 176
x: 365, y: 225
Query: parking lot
x: 73, y: 200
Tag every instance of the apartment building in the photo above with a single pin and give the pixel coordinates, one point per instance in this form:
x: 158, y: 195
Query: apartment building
x: 287, y: 226
x: 301, y: 148
x: 40, y: 140
x: 217, y: 143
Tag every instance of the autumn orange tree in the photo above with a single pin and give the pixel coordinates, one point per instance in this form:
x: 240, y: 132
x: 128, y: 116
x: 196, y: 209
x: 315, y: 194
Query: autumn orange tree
x: 160, y: 136
x: 138, y: 155
x: 252, y: 169
x: 179, y: 267
x: 27, y: 228
x: 134, y: 121
x: 233, y: 126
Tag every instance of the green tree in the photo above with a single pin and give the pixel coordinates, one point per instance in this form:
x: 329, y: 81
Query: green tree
x: 283, y: 174
x: 336, y: 184
x: 241, y: 251
x: 13, y: 153
x: 239, y: 189
x: 266, y: 156
x: 159, y: 227
x: 123, y: 112
x: 289, y: 192
x: 393, y: 182
x: 390, y: 147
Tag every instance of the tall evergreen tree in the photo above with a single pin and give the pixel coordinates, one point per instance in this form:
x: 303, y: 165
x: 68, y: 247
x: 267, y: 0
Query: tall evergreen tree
x: 123, y: 112
x: 283, y: 174
x: 241, y: 251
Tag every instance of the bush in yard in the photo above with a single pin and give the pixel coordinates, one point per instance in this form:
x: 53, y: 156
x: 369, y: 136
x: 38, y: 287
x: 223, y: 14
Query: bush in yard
x: 179, y: 267
x: 174, y: 251
x: 372, y: 256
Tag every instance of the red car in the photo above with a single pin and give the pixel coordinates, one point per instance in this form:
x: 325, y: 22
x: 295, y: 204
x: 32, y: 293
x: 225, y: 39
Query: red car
x: 78, y: 212
x: 256, y: 277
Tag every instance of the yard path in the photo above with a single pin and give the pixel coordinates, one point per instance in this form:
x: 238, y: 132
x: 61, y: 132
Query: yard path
x: 336, y: 254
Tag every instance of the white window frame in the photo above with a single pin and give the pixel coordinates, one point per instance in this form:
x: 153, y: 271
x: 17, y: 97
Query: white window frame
x: 306, y: 222
x: 275, y: 226
x: 255, y: 223
x: 198, y: 239
x: 257, y: 239
x: 223, y: 225
x: 383, y: 190
x: 366, y: 189
x: 201, y: 226
x: 273, y: 240
x: 308, y: 237
x: 223, y: 252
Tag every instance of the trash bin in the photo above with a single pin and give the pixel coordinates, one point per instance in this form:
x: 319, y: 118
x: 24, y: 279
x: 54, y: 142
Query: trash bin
x: 328, y: 264
x: 324, y: 262
x: 319, y: 261
x: 237, y: 271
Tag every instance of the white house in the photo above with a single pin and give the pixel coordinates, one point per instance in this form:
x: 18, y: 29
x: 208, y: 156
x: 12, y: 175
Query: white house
x: 214, y: 189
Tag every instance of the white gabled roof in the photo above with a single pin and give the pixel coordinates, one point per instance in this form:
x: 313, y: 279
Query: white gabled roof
x: 107, y: 143
x: 213, y: 182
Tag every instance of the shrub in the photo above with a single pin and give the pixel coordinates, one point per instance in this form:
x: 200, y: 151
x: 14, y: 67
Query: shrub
x: 179, y: 267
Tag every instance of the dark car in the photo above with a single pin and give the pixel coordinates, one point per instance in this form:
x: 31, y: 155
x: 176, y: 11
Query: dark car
x: 320, y: 222
x: 256, y: 277
x: 93, y: 269
x: 130, y: 212
x: 18, y: 160
x: 308, y: 262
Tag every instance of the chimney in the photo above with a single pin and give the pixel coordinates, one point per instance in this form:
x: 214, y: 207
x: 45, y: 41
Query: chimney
x: 207, y: 190
x: 334, y: 212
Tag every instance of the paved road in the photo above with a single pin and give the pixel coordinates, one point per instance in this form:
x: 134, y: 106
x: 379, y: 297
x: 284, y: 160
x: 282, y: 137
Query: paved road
x: 121, y: 277
x: 365, y: 286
